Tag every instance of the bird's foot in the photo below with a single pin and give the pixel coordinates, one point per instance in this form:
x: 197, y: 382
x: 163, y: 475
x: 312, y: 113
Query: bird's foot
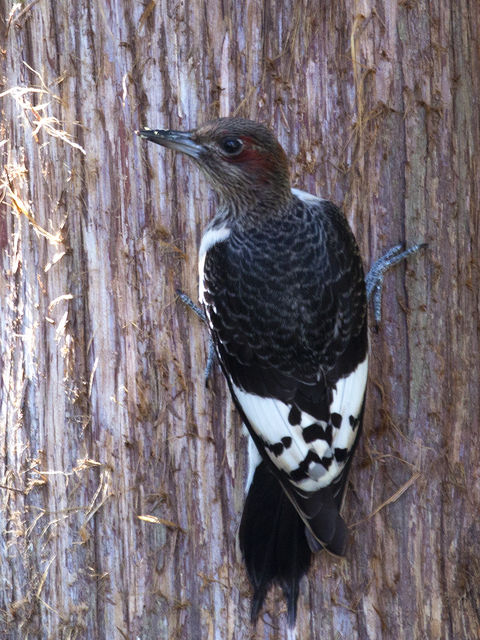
x: 201, y: 314
x: 190, y: 303
x: 374, y: 279
x: 210, y: 360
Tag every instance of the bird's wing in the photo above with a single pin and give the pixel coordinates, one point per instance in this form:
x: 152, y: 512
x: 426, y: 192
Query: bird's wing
x: 310, y: 457
x: 289, y: 324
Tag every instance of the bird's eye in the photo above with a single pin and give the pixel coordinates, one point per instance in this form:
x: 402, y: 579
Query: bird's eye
x: 232, y: 146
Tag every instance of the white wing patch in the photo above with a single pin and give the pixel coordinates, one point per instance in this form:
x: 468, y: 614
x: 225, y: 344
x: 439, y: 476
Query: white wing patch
x: 291, y: 446
x: 347, y: 401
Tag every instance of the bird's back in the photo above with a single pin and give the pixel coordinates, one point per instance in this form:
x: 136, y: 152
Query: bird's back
x: 288, y: 294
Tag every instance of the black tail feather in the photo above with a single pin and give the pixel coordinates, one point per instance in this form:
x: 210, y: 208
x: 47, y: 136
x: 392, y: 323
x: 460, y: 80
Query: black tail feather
x: 273, y: 542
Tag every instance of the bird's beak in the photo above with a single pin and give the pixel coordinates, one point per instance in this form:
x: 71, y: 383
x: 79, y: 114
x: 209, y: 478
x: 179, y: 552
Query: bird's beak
x: 177, y: 140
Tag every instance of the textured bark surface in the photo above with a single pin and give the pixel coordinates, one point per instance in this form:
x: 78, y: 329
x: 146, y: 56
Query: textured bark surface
x: 121, y: 475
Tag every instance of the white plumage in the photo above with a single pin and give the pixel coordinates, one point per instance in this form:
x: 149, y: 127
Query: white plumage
x: 269, y: 418
x: 209, y: 239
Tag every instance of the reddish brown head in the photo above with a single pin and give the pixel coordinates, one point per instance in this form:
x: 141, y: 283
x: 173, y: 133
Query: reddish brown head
x: 242, y: 160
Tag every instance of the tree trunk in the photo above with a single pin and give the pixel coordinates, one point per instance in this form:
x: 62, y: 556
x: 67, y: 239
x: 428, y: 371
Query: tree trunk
x: 122, y: 476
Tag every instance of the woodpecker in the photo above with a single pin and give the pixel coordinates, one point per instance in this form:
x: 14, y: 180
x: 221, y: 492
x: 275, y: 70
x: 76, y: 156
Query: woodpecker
x: 283, y: 290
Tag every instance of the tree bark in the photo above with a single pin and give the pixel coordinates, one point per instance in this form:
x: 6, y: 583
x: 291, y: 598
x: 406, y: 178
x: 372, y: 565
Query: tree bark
x: 121, y: 475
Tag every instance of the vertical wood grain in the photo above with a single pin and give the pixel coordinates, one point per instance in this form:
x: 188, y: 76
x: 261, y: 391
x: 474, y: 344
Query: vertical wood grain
x: 121, y: 475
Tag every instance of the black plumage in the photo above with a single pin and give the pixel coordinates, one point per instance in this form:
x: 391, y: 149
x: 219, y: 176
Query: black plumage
x: 288, y: 296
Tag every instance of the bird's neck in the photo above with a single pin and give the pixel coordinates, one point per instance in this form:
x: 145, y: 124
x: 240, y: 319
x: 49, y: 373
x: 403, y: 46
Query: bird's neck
x: 247, y: 208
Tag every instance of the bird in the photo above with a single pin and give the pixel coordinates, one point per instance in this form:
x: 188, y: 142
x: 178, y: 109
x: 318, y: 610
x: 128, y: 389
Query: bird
x: 282, y: 287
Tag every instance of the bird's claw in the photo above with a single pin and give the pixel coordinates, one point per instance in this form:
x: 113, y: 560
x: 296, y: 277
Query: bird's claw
x: 190, y: 303
x: 374, y: 279
x: 210, y: 361
x: 201, y: 314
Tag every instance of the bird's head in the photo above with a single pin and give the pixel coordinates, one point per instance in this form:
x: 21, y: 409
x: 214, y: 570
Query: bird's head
x: 241, y: 159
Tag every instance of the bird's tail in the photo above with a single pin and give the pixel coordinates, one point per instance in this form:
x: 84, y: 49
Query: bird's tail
x: 273, y: 542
